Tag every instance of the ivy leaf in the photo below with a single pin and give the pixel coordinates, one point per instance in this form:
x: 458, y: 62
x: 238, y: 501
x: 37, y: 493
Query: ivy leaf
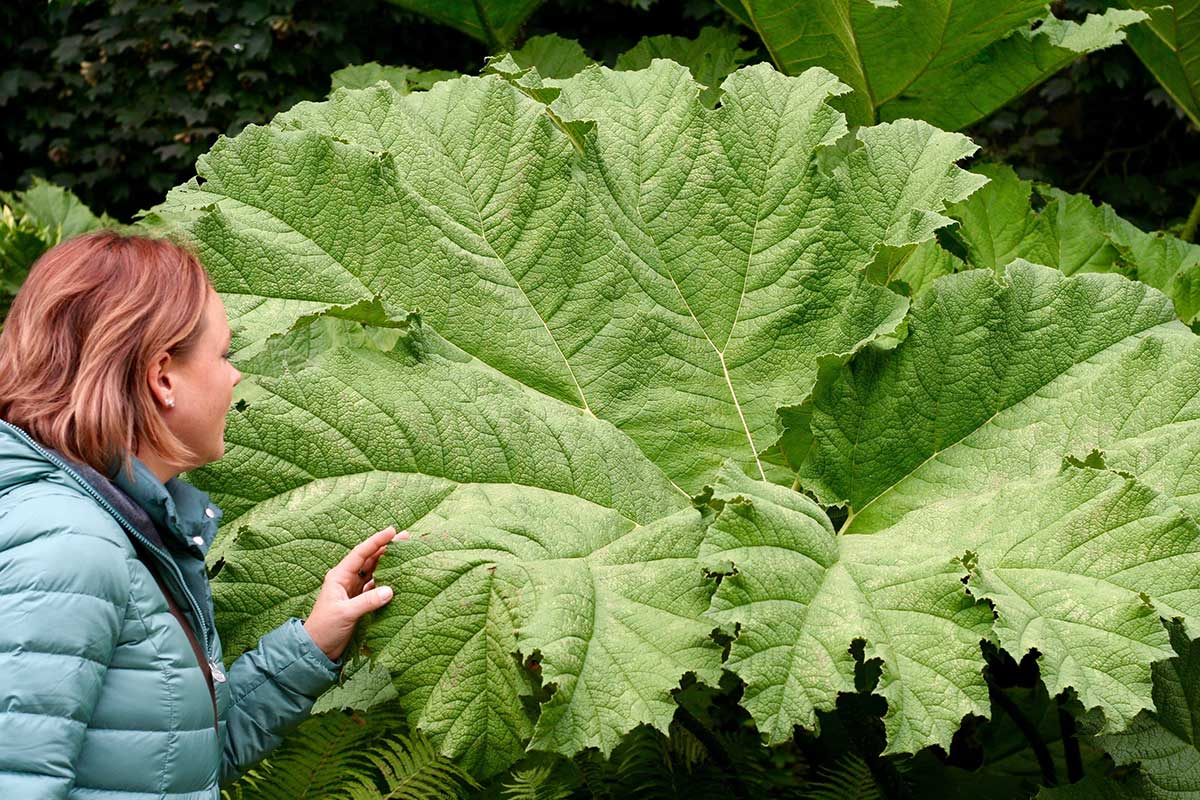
x: 961, y: 60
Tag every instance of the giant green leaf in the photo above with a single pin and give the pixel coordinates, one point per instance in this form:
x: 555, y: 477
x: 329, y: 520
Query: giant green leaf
x: 553, y: 56
x: 519, y: 503
x: 1169, y: 44
x: 527, y: 319
x: 493, y: 22
x: 950, y: 62
x: 603, y: 320
x: 32, y: 222
x: 948, y: 452
x: 678, y: 278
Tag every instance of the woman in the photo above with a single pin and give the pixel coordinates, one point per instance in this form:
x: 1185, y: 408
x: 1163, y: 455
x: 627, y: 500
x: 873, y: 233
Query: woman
x: 114, y: 378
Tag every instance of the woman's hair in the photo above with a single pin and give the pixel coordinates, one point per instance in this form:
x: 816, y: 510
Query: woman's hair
x: 81, y: 335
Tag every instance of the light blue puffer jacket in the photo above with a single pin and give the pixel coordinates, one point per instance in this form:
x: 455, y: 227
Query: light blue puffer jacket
x: 101, y: 693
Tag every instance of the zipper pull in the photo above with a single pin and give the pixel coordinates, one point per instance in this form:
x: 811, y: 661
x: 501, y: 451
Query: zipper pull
x: 217, y: 673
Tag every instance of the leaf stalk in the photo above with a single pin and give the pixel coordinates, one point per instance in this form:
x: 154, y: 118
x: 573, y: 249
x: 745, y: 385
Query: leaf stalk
x: 1029, y: 731
x: 1066, y: 724
x: 694, y: 726
x: 1188, y: 234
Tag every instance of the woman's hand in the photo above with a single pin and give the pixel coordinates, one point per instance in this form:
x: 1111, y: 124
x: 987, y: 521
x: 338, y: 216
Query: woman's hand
x: 349, y: 592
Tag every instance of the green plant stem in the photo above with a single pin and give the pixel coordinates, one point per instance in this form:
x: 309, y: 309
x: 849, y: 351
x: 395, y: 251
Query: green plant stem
x: 493, y: 40
x: 1193, y: 222
x: 1066, y: 724
x: 1029, y: 731
x: 715, y: 749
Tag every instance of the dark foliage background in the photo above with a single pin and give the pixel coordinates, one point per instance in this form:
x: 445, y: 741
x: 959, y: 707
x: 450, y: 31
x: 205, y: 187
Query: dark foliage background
x: 1105, y: 127
x: 117, y: 98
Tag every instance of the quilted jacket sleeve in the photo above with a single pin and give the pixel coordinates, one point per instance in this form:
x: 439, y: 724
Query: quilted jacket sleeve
x: 273, y: 689
x: 63, y: 595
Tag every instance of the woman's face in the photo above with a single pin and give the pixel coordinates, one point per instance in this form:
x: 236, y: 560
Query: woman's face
x: 201, y: 383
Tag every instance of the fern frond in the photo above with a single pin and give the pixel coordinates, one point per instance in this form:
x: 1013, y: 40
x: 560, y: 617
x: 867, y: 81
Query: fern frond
x: 849, y: 779
x: 536, y: 783
x: 684, y: 749
x: 650, y: 766
x: 340, y: 756
x: 412, y: 770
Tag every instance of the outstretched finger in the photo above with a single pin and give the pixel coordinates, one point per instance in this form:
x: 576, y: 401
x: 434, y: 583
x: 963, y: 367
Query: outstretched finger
x: 368, y: 601
x: 349, y: 566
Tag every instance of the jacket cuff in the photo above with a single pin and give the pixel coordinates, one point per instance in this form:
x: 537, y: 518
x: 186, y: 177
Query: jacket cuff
x: 310, y: 672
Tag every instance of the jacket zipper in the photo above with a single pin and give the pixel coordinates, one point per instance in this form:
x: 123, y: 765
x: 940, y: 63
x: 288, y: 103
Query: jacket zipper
x: 205, y: 666
x: 163, y: 558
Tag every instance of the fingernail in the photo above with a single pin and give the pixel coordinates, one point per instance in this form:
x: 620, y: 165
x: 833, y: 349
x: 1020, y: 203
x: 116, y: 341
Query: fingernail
x: 391, y: 528
x: 402, y: 536
x: 385, y: 593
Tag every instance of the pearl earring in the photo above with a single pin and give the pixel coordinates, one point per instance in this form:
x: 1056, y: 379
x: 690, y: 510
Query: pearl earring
x: 170, y: 402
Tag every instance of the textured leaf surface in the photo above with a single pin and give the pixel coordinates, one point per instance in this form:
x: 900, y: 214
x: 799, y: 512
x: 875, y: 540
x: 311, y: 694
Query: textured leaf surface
x: 802, y: 595
x: 553, y: 56
x: 999, y: 224
x: 961, y: 59
x: 1166, y: 743
x: 948, y: 451
x: 676, y: 278
x: 366, y: 688
x: 55, y: 210
x: 1169, y: 44
x: 710, y: 57
x: 510, y: 494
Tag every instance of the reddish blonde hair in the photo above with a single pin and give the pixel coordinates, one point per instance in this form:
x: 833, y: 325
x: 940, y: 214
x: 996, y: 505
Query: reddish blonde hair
x: 81, y: 335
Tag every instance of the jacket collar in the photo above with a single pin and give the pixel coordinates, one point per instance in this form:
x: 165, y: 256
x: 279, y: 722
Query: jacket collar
x: 180, y: 511
x: 184, y: 515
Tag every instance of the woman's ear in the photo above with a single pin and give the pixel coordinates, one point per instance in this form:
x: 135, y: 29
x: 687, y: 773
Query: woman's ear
x: 160, y: 380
